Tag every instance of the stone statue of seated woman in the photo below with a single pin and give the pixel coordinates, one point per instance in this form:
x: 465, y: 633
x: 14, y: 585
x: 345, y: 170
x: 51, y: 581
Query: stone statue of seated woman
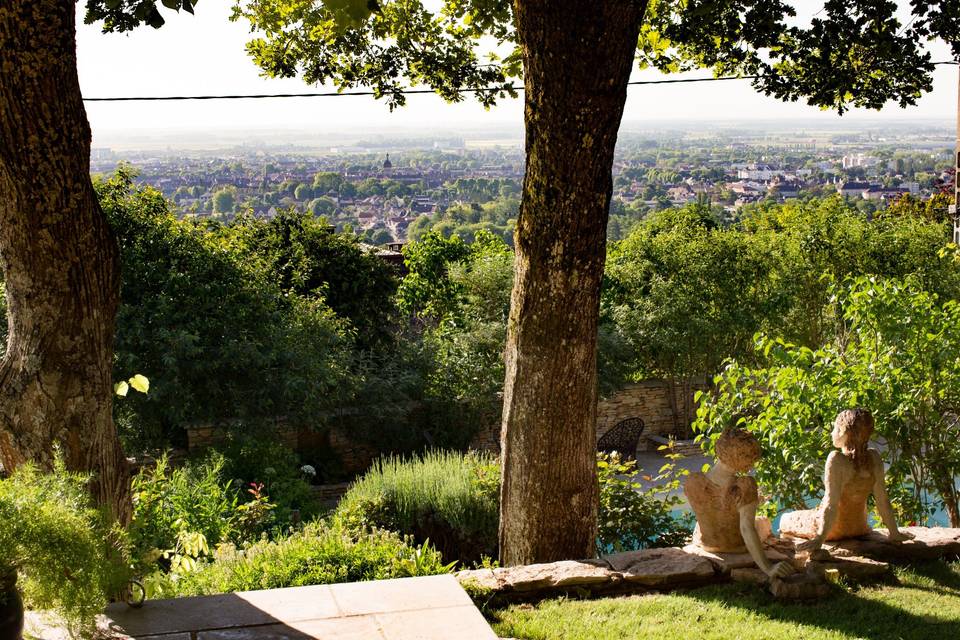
x: 725, y: 502
x: 852, y: 474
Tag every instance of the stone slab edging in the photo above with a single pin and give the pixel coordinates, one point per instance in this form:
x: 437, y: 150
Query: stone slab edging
x: 671, y: 568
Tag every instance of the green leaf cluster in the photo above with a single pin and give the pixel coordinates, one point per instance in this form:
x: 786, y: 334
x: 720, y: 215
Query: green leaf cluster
x: 852, y: 52
x: 682, y: 294
x: 204, y: 317
x: 897, y: 353
x: 320, y: 554
x: 636, y: 516
x: 58, y: 544
x: 125, y: 15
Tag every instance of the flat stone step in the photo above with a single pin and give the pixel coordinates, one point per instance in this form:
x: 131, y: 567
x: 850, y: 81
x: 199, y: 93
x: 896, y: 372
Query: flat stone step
x: 642, y: 571
x: 928, y: 543
x: 425, y: 608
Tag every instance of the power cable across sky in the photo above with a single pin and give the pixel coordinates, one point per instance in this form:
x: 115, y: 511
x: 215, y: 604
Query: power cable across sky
x: 336, y: 94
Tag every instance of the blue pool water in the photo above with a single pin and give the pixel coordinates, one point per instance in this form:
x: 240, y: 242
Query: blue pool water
x: 938, y: 519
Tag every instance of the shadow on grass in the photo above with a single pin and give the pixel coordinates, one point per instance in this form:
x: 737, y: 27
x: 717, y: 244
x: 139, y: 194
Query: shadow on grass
x: 851, y: 614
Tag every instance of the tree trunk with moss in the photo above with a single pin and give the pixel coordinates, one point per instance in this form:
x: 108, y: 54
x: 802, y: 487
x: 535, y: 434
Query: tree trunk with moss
x: 577, y: 60
x: 59, y: 259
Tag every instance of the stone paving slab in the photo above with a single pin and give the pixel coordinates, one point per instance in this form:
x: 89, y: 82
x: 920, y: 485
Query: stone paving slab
x: 359, y: 628
x: 425, y: 608
x: 451, y: 623
x: 865, y: 558
x: 242, y: 609
x: 664, y: 568
x: 403, y: 594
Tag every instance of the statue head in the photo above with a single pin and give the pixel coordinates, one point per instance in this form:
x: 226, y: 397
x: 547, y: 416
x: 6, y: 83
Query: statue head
x: 852, y: 430
x: 738, y: 449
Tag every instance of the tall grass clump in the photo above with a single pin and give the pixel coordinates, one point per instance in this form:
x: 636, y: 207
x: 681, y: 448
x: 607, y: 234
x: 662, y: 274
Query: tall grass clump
x: 449, y: 498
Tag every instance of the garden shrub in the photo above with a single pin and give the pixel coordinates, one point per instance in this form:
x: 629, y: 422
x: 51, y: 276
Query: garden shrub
x: 898, y: 355
x: 447, y: 497
x: 204, y: 318
x: 632, y: 517
x: 215, y: 500
x: 319, y: 554
x: 51, y: 535
x: 452, y: 499
x: 170, y: 502
x: 257, y: 458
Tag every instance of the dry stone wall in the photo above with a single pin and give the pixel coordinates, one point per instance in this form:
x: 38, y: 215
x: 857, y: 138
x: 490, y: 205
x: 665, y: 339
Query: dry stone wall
x: 354, y: 456
x: 649, y: 400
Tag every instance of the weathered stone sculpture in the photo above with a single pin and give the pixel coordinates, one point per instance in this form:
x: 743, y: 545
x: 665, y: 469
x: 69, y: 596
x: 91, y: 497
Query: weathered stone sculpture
x: 852, y: 473
x: 725, y: 502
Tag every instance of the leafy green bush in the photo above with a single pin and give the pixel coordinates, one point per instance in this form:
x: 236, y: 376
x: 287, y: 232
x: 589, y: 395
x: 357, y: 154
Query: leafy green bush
x: 171, y: 502
x: 180, y: 513
x: 898, y: 355
x: 452, y: 499
x: 260, y: 459
x: 203, y: 317
x: 320, y: 554
x: 51, y: 535
x: 632, y: 517
x: 306, y: 258
x: 449, y: 498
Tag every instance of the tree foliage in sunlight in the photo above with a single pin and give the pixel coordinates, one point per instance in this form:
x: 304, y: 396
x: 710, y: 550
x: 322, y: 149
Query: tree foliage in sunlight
x: 897, y: 353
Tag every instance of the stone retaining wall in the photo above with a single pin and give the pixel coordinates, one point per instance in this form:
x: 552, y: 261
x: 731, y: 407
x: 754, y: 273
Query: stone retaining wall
x: 330, y: 493
x: 649, y: 400
x: 353, y: 455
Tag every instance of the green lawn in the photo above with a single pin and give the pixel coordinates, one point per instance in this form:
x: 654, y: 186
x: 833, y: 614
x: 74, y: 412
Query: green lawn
x: 922, y: 603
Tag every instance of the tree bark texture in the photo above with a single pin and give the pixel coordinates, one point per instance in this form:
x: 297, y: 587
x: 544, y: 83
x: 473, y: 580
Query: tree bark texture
x: 59, y: 259
x: 577, y: 59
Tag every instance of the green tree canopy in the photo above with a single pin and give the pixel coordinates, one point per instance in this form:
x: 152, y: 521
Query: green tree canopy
x: 853, y: 52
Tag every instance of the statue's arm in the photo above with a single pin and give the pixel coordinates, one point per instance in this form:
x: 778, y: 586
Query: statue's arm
x: 833, y: 477
x: 883, y: 500
x: 748, y: 529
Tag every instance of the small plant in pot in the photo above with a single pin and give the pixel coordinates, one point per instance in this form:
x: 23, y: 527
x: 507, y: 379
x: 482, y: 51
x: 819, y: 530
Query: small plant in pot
x: 53, y: 555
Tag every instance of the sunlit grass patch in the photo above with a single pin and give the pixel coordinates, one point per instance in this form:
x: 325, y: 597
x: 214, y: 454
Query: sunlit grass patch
x: 923, y: 602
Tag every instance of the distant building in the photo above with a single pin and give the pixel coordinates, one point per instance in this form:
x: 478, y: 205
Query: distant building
x: 859, y: 160
x: 912, y: 187
x: 387, y: 164
x: 854, y: 189
x: 884, y: 194
x: 681, y: 194
x: 758, y: 172
x: 784, y: 189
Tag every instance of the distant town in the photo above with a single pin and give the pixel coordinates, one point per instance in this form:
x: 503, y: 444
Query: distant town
x: 391, y: 191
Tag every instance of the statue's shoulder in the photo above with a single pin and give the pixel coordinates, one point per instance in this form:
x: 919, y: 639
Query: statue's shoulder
x: 836, y: 458
x: 748, y: 488
x: 695, y: 479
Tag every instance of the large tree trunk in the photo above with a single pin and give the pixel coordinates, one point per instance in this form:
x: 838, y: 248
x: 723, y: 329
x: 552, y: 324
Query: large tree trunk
x: 59, y: 259
x: 577, y: 60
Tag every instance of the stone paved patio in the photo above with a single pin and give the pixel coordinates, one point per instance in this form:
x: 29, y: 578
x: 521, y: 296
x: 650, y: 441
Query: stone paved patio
x: 428, y: 608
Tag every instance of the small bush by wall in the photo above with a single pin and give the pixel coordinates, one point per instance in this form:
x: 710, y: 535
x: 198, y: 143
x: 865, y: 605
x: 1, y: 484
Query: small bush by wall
x: 452, y: 499
x: 449, y: 498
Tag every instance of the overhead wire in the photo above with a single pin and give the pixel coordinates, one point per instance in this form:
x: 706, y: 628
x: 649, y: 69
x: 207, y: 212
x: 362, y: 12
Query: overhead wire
x: 336, y: 94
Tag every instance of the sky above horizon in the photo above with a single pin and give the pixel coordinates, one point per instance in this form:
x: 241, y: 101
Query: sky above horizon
x: 204, y: 54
